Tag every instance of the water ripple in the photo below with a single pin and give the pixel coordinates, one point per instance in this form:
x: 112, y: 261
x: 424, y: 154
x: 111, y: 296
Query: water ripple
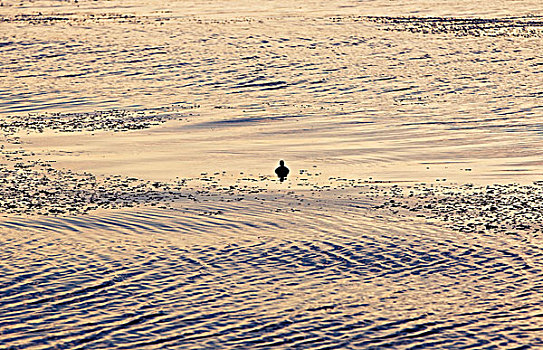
x: 358, y: 283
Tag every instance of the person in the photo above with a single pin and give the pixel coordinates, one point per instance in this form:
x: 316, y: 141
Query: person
x: 282, y: 171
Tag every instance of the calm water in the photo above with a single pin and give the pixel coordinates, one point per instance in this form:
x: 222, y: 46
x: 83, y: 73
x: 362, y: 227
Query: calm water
x: 277, y: 265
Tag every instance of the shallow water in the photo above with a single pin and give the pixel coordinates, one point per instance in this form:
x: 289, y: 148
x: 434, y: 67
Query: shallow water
x: 217, y: 253
x: 251, y: 278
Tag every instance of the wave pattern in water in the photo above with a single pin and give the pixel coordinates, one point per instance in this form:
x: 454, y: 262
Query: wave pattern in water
x: 335, y: 64
x: 252, y: 278
x: 274, y: 273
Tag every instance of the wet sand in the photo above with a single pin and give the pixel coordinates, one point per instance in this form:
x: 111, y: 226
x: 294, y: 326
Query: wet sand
x: 140, y: 208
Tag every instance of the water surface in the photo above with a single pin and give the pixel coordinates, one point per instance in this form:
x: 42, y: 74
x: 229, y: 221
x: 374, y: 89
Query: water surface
x: 193, y: 104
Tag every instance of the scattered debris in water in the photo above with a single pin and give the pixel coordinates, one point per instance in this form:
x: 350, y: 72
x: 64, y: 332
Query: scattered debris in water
x: 110, y: 120
x: 528, y: 26
x: 506, y: 208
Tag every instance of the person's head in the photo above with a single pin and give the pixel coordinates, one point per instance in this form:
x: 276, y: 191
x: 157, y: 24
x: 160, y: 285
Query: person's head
x: 281, y: 162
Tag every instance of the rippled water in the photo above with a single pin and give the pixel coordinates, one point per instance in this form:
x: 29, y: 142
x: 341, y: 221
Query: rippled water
x: 318, y: 84
x: 249, y: 278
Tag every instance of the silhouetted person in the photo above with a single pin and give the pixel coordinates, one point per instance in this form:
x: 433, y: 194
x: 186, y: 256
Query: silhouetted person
x: 282, y: 171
